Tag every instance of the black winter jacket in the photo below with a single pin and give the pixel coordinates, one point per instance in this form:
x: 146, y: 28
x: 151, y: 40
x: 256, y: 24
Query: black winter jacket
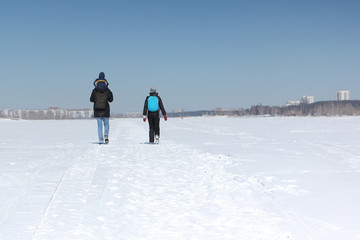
x: 106, y: 111
x: 161, y: 106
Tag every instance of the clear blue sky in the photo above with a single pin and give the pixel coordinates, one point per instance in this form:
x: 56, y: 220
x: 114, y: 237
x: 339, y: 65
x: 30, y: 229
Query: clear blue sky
x: 199, y: 54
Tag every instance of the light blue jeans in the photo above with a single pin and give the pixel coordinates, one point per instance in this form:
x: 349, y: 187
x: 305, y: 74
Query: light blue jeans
x: 100, y: 121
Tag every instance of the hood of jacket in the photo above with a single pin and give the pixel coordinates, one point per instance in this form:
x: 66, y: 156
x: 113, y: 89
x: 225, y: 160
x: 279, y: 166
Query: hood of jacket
x: 101, y: 85
x: 101, y: 78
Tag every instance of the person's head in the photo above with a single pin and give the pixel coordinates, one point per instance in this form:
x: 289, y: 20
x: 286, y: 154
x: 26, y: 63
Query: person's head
x: 153, y: 90
x: 101, y: 75
x: 102, y: 80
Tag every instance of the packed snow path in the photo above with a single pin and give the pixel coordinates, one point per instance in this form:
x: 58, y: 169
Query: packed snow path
x: 209, y: 178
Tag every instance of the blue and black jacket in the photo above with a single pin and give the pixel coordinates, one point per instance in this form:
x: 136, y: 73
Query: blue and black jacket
x: 161, y: 108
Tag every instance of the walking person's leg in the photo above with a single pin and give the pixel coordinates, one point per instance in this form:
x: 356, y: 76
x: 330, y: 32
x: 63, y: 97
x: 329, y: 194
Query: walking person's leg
x: 100, y: 129
x: 151, y: 129
x: 157, y: 129
x: 107, y: 127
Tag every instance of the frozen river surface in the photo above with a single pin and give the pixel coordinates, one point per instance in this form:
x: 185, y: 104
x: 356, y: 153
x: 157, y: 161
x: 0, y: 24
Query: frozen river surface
x: 208, y: 179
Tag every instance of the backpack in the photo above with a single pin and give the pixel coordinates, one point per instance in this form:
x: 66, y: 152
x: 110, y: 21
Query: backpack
x: 153, y: 103
x: 101, y: 100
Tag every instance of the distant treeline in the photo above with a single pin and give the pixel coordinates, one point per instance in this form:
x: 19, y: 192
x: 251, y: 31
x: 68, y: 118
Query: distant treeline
x: 323, y: 108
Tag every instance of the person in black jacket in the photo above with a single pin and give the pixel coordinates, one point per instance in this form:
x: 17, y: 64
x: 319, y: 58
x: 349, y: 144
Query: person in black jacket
x: 153, y: 104
x: 101, y: 96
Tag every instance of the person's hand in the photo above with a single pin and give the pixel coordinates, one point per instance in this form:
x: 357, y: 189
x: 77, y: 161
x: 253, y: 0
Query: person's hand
x: 165, y: 117
x: 144, y: 118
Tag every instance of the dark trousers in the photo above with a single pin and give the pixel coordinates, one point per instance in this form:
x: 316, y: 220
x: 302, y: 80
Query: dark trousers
x: 154, y: 125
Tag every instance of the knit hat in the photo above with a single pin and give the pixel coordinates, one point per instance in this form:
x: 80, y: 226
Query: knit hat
x: 101, y: 75
x: 153, y: 90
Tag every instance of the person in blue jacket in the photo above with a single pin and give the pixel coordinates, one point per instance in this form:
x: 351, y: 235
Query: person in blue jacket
x: 152, y: 107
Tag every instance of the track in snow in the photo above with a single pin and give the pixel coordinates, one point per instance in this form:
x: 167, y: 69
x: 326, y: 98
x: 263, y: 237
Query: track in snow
x: 167, y: 191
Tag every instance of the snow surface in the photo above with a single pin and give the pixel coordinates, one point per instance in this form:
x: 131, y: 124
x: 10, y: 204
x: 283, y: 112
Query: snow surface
x: 209, y: 178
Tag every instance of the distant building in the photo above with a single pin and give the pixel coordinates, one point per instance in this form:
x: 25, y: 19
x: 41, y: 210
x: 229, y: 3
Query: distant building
x: 50, y: 113
x: 292, y: 103
x: 4, y: 113
x: 303, y: 100
x: 307, y: 99
x: 343, y: 95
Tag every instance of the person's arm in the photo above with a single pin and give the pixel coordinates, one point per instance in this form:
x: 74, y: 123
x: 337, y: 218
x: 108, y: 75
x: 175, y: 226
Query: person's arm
x: 92, y: 97
x: 110, y: 96
x: 145, y: 109
x: 161, y: 106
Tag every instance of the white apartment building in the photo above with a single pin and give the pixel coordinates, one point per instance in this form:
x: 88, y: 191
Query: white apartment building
x: 4, y: 112
x: 307, y: 99
x: 343, y: 95
x: 292, y: 103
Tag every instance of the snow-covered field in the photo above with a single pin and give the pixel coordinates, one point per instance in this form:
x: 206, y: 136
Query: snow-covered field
x: 209, y: 178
